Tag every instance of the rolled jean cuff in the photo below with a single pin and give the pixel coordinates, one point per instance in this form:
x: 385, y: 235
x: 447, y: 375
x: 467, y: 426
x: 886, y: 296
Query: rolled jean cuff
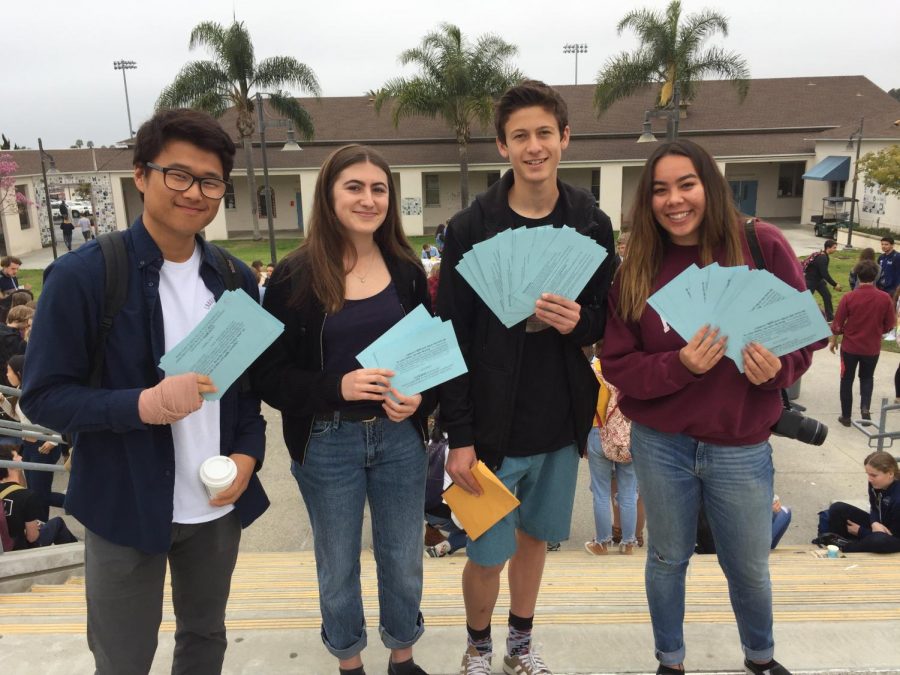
x: 393, y: 643
x: 764, y: 655
x: 671, y: 658
x: 347, y: 652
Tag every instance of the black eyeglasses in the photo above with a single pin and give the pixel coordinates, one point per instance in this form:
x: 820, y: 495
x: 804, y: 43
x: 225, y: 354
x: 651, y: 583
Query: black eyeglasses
x: 181, y: 181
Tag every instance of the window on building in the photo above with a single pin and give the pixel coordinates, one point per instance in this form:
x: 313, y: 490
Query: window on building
x: 432, y: 189
x: 22, y: 205
x: 229, y: 198
x: 836, y: 188
x: 790, y: 179
x: 261, y: 202
x: 492, y: 177
x: 595, y: 184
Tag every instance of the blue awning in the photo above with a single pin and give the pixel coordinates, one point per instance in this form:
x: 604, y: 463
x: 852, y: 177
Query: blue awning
x: 831, y: 168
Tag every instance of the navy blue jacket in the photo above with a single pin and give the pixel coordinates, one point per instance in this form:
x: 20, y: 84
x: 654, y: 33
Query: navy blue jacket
x: 890, y: 271
x: 123, y: 471
x: 885, y: 509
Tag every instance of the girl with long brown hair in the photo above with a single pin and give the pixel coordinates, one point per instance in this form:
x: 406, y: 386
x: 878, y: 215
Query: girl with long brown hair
x: 352, y: 437
x: 700, y: 428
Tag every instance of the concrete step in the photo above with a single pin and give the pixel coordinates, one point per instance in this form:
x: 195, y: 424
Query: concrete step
x: 592, y: 615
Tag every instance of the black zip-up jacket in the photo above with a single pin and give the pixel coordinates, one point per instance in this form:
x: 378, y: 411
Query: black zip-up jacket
x: 817, y: 271
x: 885, y: 509
x: 477, y: 408
x: 289, y: 376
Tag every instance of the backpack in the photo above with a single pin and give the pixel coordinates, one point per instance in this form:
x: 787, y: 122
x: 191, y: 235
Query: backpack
x: 807, y: 261
x: 5, y: 537
x: 115, y: 257
x: 11, y: 343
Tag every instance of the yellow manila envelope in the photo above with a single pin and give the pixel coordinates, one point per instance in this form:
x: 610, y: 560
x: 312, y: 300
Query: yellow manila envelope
x: 479, y: 513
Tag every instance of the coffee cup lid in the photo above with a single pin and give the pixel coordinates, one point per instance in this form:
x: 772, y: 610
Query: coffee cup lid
x: 216, y: 469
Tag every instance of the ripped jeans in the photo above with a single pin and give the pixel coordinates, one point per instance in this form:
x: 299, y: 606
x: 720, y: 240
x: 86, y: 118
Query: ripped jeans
x: 676, y: 473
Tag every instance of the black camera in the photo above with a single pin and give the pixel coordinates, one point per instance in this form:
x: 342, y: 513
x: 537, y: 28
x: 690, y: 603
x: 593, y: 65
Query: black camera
x: 794, y: 424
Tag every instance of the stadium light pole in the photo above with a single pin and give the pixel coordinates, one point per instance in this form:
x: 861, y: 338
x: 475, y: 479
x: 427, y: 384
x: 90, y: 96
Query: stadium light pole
x: 123, y: 66
x: 575, y: 48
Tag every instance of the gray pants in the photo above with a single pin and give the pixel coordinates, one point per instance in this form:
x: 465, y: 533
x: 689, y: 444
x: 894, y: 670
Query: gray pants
x: 124, y: 589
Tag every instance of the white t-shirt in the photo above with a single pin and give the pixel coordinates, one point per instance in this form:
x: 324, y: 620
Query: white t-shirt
x: 185, y: 300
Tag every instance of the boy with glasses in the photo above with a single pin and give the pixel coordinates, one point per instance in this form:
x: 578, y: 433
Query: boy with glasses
x: 141, y: 435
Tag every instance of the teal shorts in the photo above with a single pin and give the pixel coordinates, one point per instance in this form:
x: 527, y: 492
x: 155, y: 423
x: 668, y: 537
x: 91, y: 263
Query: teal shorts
x: 545, y: 486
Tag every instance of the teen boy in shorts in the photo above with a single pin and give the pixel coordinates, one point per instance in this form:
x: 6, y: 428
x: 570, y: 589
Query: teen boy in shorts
x: 526, y: 404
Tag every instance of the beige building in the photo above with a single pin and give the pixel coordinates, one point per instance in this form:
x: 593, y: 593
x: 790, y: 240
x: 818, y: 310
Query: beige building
x: 784, y: 130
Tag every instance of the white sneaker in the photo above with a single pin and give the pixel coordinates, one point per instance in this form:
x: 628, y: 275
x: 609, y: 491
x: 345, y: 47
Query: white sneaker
x: 438, y: 550
x: 474, y: 663
x: 525, y: 664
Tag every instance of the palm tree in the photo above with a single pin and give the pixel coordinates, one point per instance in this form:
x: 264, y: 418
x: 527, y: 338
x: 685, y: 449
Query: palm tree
x: 228, y: 81
x: 670, y: 52
x: 457, y: 81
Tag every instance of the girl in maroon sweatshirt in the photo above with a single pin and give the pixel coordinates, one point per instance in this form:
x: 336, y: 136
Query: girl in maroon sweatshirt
x: 700, y: 427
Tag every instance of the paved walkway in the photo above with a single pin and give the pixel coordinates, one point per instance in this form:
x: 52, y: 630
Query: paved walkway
x: 831, y: 616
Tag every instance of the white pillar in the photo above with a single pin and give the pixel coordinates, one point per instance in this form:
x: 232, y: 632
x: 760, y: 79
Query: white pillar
x: 411, y: 201
x: 217, y: 230
x: 307, y: 191
x: 118, y: 198
x: 611, y: 193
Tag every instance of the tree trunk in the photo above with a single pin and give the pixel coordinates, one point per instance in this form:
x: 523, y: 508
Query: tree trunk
x: 251, y: 187
x: 463, y: 173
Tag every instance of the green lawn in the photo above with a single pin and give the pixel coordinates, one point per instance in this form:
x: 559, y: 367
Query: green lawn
x: 840, y: 265
x: 248, y: 251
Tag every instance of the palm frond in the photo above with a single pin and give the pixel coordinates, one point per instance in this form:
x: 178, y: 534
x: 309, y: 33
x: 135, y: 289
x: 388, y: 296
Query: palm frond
x: 197, y: 80
x: 621, y: 76
x: 728, y: 65
x: 288, y: 107
x: 279, y: 71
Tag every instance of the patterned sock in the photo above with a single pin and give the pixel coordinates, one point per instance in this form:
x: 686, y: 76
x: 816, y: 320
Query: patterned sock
x: 519, y: 640
x: 480, y: 639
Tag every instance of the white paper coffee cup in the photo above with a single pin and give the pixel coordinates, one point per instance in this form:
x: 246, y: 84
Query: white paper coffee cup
x: 217, y: 474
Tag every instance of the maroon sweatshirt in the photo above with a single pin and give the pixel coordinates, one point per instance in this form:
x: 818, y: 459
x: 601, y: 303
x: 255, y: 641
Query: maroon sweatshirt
x: 658, y: 391
x: 863, y: 316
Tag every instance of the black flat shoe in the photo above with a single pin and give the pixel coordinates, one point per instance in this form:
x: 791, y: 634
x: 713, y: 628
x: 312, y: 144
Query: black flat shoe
x: 667, y: 670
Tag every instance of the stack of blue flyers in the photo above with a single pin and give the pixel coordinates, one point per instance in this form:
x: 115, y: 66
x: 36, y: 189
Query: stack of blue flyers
x: 745, y: 305
x: 510, y: 271
x: 224, y: 344
x: 421, y: 350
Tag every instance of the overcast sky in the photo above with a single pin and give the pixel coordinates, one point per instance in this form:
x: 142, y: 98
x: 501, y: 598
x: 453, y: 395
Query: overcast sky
x: 59, y: 82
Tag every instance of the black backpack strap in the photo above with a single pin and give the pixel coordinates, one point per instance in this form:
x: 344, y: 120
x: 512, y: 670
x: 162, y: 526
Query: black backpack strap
x: 224, y: 263
x: 760, y: 262
x: 115, y: 257
x: 231, y: 275
x: 753, y: 243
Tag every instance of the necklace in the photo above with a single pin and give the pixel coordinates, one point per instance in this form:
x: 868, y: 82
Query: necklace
x: 362, y: 278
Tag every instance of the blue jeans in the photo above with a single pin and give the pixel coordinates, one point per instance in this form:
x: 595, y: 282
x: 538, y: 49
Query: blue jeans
x: 346, y: 464
x: 601, y: 481
x: 41, y: 482
x: 734, y: 483
x: 455, y: 536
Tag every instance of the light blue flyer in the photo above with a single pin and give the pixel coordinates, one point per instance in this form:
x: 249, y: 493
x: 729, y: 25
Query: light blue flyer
x: 423, y: 359
x: 224, y: 344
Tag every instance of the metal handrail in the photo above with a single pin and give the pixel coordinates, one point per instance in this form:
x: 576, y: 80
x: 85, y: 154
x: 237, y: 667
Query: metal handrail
x: 31, y: 466
x: 877, y: 434
x: 19, y: 430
